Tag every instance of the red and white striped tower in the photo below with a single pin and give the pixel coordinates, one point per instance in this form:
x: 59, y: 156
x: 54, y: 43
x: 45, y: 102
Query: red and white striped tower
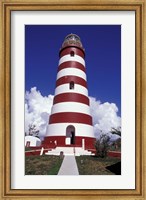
x: 70, y: 122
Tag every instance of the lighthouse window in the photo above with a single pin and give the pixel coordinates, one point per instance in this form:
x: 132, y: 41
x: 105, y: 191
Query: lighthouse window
x: 72, y: 53
x: 71, y: 85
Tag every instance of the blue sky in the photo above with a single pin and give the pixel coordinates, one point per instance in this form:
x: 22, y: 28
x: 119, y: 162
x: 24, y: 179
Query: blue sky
x: 102, y: 45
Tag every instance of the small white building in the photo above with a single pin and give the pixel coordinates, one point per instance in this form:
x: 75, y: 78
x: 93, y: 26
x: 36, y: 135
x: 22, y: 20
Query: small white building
x: 31, y: 141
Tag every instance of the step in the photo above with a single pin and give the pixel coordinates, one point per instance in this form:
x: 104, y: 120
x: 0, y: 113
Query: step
x: 77, y: 151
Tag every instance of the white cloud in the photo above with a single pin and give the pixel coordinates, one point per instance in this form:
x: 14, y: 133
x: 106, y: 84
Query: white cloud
x: 38, y: 109
x: 104, y: 117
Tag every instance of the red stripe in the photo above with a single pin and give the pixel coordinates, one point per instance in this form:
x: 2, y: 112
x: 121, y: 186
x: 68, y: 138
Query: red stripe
x: 68, y: 50
x: 68, y: 79
x: 70, y: 117
x: 71, y: 64
x: 49, y: 142
x: 71, y: 97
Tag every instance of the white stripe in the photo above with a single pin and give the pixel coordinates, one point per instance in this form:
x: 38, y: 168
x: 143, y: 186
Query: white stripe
x: 59, y: 129
x: 71, y: 107
x: 72, y: 58
x: 71, y: 72
x: 64, y: 88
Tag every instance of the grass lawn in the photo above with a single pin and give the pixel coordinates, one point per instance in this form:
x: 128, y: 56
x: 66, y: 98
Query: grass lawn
x: 42, y: 165
x: 91, y: 165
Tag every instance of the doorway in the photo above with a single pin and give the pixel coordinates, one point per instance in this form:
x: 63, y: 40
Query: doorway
x: 70, y: 135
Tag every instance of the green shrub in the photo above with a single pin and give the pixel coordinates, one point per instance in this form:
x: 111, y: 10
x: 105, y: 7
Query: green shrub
x: 102, y: 146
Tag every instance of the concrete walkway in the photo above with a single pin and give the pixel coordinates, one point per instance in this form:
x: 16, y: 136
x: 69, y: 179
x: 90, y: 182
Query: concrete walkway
x: 69, y: 166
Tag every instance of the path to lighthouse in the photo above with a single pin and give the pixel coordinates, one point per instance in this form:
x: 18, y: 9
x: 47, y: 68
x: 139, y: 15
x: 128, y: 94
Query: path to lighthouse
x: 69, y: 166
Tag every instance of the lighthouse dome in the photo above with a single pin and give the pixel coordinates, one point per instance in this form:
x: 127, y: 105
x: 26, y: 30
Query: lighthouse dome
x: 72, y: 40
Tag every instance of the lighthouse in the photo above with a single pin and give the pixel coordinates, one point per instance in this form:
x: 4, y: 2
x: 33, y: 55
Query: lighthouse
x: 70, y: 122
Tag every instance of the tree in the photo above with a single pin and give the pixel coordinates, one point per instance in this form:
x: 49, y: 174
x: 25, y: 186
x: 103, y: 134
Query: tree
x: 33, y: 131
x: 116, y: 131
x: 102, y: 145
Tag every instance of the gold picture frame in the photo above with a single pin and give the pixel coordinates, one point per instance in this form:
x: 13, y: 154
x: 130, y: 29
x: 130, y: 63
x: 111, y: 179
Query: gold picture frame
x: 6, y: 6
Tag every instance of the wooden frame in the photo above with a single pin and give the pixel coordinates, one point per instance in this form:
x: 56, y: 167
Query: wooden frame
x: 5, y: 126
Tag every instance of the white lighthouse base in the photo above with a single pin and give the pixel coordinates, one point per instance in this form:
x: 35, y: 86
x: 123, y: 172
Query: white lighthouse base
x: 77, y: 151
